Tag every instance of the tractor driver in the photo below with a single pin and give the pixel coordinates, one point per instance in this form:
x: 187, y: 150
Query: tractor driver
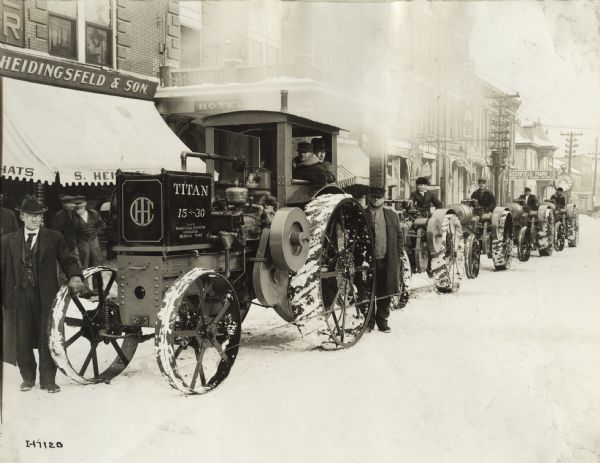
x: 308, y: 166
x: 559, y: 199
x: 319, y: 150
x: 529, y: 199
x: 423, y: 199
x: 484, y: 197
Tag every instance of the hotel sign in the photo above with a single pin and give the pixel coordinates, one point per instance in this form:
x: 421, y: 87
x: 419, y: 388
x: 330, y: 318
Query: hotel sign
x: 12, y: 22
x: 532, y: 174
x: 73, y: 75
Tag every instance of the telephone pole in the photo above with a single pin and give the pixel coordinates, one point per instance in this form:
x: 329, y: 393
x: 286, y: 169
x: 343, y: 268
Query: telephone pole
x: 571, y: 145
x: 595, y: 173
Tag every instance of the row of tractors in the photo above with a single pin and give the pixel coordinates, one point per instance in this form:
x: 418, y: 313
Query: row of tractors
x: 197, y: 250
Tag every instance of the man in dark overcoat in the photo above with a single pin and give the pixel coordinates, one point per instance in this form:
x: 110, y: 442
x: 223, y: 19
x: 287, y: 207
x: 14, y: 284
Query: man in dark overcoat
x: 30, y: 283
x: 422, y: 198
x: 63, y: 221
x: 389, y: 246
x: 559, y: 198
x: 8, y: 219
x: 485, y: 198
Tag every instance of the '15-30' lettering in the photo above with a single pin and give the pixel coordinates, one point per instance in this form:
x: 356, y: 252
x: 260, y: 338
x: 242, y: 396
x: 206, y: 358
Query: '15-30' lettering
x: 183, y: 212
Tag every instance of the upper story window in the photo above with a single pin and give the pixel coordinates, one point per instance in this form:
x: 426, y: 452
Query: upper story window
x: 98, y: 33
x: 62, y: 29
x: 81, y: 30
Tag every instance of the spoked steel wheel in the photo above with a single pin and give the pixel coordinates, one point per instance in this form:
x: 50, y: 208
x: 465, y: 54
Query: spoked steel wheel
x: 524, y: 244
x: 559, y: 236
x: 337, y: 281
x: 446, y: 244
x: 502, y: 243
x: 472, y: 256
x: 198, y: 331
x: 86, y: 338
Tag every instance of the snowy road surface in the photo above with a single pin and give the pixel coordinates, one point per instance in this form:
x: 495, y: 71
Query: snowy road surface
x: 507, y: 370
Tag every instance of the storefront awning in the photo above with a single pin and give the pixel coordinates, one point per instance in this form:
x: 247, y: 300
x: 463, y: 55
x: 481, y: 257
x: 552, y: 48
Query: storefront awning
x: 353, y: 163
x: 83, y: 136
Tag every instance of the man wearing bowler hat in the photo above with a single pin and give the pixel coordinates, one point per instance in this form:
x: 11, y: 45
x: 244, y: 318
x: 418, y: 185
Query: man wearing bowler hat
x: 423, y: 199
x: 389, y: 247
x: 30, y: 283
x: 319, y: 149
x: 484, y: 197
x: 308, y: 167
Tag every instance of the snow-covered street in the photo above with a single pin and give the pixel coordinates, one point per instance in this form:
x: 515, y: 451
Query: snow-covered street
x: 506, y: 370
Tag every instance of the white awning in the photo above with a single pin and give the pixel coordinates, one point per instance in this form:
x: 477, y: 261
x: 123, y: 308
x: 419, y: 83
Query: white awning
x: 353, y: 163
x: 84, y: 137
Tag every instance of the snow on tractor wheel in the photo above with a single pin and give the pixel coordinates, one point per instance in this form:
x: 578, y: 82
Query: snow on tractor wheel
x: 85, y: 336
x: 446, y: 245
x: 336, y: 283
x: 472, y: 256
x: 545, y: 231
x: 524, y: 244
x: 405, y: 278
x: 198, y: 331
x: 572, y: 226
x: 502, y: 241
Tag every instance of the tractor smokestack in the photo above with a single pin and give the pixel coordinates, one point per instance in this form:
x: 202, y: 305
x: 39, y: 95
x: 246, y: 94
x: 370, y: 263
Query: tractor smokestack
x: 284, y: 101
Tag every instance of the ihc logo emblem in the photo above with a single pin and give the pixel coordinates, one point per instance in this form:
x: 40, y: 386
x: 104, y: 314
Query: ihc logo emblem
x: 142, y: 211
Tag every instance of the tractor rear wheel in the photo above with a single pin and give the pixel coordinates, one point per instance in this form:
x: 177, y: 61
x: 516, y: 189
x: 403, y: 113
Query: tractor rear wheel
x: 404, y: 283
x: 446, y: 246
x: 336, y: 283
x: 198, y: 331
x: 545, y: 231
x: 85, y: 336
x: 503, y: 242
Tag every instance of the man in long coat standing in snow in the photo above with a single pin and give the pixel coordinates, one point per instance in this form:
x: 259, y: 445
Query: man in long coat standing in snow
x: 389, y: 247
x: 29, y: 284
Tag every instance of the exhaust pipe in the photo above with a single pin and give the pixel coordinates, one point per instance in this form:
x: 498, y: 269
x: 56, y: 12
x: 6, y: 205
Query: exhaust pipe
x: 284, y: 101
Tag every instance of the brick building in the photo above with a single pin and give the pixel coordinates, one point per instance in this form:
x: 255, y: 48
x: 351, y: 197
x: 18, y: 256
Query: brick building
x: 77, y: 80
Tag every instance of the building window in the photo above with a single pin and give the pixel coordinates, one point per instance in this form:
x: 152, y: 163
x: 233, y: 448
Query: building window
x: 65, y: 20
x: 98, y: 40
x: 98, y: 48
x: 62, y: 33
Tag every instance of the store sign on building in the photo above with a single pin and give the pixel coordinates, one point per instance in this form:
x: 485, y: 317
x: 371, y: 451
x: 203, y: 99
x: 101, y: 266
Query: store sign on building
x: 532, y: 174
x: 12, y: 22
x: 216, y: 106
x: 73, y: 75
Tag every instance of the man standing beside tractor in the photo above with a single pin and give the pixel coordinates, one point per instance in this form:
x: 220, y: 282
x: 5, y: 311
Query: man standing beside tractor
x: 389, y: 247
x: 30, y: 283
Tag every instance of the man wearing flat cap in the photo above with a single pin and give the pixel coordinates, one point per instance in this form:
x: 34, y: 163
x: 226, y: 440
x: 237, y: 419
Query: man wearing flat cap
x: 319, y: 149
x: 88, y: 224
x: 422, y: 198
x: 63, y: 221
x: 484, y: 197
x: 308, y: 166
x: 530, y: 200
x: 29, y: 280
x: 389, y: 247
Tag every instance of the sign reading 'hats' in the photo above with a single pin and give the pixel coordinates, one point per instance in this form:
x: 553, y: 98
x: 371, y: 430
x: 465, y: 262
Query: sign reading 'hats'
x: 73, y: 75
